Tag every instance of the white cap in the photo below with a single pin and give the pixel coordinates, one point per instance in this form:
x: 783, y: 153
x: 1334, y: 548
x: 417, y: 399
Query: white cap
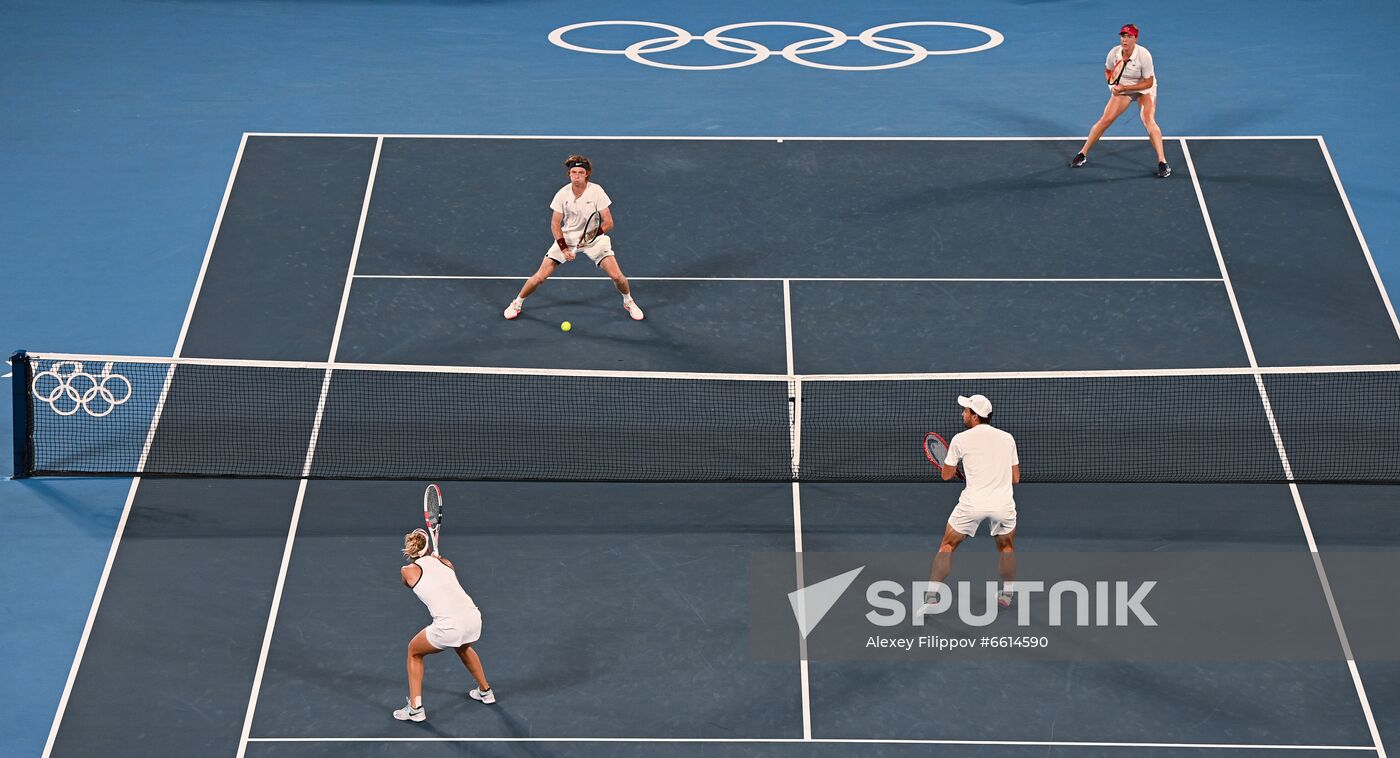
x: 978, y: 403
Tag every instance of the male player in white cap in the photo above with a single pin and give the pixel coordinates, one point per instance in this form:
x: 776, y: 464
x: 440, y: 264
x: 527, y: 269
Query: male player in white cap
x: 990, y: 465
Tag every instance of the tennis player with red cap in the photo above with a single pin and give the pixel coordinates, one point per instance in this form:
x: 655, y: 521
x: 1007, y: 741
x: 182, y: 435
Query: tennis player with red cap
x: 1135, y: 80
x: 991, y: 466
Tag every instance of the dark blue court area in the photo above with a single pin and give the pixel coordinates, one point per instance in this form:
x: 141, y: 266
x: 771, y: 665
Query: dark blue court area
x: 265, y: 617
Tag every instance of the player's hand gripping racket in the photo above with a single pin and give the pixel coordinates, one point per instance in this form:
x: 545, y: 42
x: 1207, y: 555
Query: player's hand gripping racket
x: 591, y: 229
x: 936, y: 450
x: 1118, y: 70
x: 432, y: 515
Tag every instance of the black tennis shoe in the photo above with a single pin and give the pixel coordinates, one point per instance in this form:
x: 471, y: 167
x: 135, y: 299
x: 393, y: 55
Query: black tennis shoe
x: 1078, y: 160
x: 1163, y: 171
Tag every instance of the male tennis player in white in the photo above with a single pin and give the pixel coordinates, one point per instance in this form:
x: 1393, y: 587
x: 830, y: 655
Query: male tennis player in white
x: 1138, y: 84
x: 991, y: 466
x: 456, y: 623
x: 572, y: 205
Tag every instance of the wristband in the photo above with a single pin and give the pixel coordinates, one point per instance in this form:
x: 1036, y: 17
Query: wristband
x: 562, y: 244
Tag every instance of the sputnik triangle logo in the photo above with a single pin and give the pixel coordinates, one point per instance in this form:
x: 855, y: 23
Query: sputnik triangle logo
x: 811, y: 603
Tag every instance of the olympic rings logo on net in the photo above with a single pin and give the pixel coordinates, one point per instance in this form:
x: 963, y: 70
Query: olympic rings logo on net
x: 67, y: 388
x: 718, y: 39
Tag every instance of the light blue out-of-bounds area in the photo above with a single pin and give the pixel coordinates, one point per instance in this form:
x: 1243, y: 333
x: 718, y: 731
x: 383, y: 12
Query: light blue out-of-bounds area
x: 121, y: 121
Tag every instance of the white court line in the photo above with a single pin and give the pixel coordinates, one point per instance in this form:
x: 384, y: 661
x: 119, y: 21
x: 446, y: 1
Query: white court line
x: 310, y: 455
x: 765, y: 138
x: 824, y: 740
x: 344, y: 302
x: 593, y: 373
x: 795, y: 421
x: 189, y: 310
x: 209, y: 249
x: 92, y: 616
x: 801, y: 582
x: 272, y: 617
x: 1356, y: 227
x: 136, y: 481
x: 1051, y: 280
x: 1288, y: 469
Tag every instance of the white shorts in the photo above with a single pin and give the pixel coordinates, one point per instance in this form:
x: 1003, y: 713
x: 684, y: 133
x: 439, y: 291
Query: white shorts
x: 1135, y: 96
x: 454, y: 632
x: 596, y: 252
x: 965, y: 519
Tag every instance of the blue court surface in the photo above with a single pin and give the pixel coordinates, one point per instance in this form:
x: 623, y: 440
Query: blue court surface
x: 368, y: 183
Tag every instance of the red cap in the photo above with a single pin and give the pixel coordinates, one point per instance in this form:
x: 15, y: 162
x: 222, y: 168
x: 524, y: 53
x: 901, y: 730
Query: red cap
x: 1128, y: 29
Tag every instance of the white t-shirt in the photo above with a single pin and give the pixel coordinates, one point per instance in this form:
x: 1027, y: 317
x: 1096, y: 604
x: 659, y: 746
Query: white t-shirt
x: 987, y: 455
x: 1139, y: 66
x: 576, y: 210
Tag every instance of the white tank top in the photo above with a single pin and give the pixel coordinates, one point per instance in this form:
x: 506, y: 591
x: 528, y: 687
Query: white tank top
x: 439, y: 589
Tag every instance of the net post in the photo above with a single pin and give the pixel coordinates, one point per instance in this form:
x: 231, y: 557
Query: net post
x: 22, y: 417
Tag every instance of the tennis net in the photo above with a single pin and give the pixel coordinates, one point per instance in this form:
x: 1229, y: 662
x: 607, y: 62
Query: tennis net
x: 123, y: 415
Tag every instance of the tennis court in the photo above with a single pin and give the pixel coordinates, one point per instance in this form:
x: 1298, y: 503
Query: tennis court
x: 616, y: 616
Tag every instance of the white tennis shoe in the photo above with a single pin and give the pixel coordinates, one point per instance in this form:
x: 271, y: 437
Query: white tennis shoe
x: 513, y: 310
x: 1005, y: 597
x: 409, y: 713
x: 632, y: 310
x: 487, y: 697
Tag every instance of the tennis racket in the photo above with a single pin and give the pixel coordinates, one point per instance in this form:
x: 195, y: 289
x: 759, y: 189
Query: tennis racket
x: 591, y: 229
x: 936, y: 450
x: 1118, y: 70
x: 432, y: 515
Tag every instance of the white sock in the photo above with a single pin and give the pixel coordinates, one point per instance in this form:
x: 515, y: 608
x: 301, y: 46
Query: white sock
x: 418, y: 702
x: 627, y: 298
x: 1008, y: 587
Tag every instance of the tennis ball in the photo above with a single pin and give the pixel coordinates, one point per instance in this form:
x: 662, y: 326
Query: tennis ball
x: 566, y: 326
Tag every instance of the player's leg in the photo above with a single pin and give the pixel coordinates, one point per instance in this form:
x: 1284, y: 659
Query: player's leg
x: 546, y: 269
x: 1111, y: 111
x: 960, y: 526
x: 1006, y: 565
x: 472, y: 661
x: 1147, y: 108
x: 614, y: 272
x: 417, y: 648
x: 943, y: 561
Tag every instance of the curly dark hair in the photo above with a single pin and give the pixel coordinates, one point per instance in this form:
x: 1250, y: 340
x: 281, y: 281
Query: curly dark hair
x: 578, y: 160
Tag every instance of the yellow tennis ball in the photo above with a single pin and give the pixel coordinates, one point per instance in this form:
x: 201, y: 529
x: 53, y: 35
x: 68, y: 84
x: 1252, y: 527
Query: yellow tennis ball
x: 566, y: 326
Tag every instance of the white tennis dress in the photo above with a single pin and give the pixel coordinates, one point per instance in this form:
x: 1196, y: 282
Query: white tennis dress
x: 456, y: 619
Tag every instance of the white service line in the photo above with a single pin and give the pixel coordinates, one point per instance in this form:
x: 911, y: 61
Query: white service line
x: 1287, y: 467
x: 767, y: 138
x: 1029, y: 280
x: 827, y: 741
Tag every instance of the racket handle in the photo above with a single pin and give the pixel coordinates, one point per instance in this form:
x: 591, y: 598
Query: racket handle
x: 561, y: 243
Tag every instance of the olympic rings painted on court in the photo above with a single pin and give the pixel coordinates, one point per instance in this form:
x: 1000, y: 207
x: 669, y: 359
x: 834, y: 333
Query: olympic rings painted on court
x: 758, y: 53
x: 67, y: 388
